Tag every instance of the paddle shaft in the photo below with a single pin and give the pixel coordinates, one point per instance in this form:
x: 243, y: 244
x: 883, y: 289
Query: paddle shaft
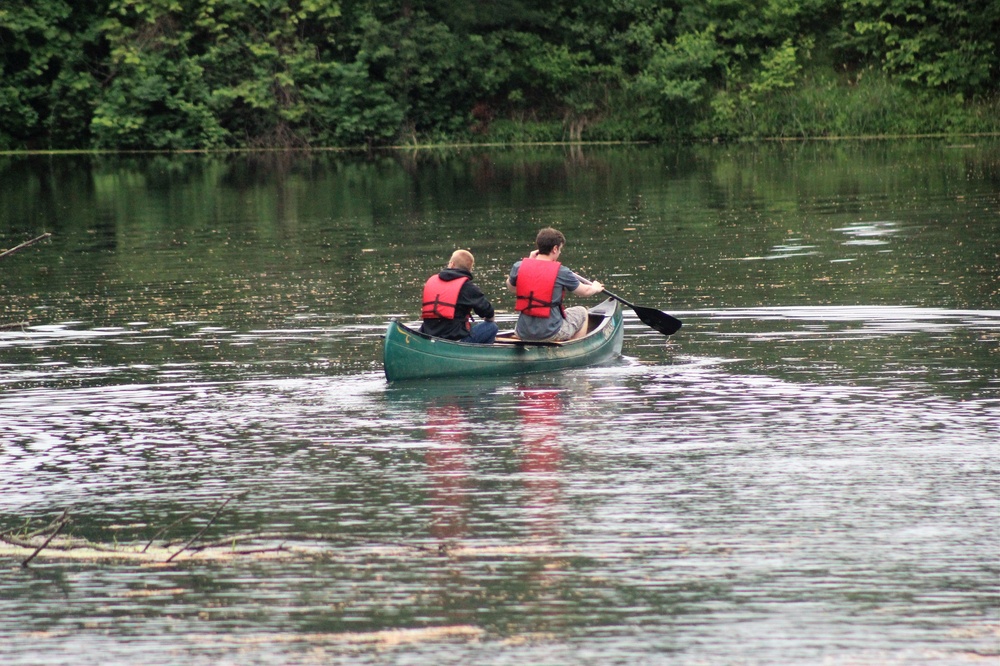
x: 614, y: 296
x: 619, y: 298
x: 655, y: 319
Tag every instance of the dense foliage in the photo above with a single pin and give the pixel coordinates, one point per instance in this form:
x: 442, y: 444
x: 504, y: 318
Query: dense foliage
x: 192, y: 74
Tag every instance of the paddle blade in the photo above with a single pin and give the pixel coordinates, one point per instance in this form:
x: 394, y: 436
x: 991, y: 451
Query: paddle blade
x: 659, y: 321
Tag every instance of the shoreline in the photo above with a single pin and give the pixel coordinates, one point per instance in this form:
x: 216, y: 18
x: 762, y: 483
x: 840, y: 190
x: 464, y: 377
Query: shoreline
x: 492, y: 145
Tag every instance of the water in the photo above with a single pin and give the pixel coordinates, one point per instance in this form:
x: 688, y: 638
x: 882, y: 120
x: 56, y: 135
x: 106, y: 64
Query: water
x: 805, y: 474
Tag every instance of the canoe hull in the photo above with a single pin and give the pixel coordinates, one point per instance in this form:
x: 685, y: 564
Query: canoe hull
x: 409, y: 354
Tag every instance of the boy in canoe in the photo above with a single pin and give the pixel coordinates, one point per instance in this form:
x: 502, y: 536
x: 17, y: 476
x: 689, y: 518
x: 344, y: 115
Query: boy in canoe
x: 540, y: 282
x: 450, y: 298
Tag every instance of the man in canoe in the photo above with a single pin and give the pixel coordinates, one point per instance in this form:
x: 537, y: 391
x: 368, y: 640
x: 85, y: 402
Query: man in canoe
x: 450, y: 298
x: 540, y: 282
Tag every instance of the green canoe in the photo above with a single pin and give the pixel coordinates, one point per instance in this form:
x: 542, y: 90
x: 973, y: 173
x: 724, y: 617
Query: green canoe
x: 410, y: 354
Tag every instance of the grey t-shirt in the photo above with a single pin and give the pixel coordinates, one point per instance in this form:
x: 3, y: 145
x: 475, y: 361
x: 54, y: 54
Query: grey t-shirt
x: 537, y: 328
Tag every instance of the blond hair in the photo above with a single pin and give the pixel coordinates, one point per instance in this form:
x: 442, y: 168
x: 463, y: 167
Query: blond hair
x: 462, y: 259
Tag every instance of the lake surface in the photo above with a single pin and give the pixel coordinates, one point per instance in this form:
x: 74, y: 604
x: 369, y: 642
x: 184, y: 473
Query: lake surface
x: 806, y: 473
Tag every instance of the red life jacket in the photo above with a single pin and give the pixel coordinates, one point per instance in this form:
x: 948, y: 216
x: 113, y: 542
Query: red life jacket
x: 536, y: 280
x: 441, y: 297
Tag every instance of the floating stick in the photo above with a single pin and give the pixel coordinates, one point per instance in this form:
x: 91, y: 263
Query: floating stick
x: 24, y: 245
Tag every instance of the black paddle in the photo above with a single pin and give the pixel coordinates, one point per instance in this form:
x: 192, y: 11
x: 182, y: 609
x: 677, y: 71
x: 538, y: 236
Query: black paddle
x: 655, y: 319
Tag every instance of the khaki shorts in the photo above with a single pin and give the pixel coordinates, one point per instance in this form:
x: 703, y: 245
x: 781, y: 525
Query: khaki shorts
x: 574, y: 319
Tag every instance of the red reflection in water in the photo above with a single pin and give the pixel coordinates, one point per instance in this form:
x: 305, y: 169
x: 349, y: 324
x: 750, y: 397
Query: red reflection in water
x: 448, y: 467
x: 450, y: 471
x: 541, y: 455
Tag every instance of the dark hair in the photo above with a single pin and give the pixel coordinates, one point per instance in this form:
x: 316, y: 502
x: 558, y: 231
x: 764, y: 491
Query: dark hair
x: 547, y: 239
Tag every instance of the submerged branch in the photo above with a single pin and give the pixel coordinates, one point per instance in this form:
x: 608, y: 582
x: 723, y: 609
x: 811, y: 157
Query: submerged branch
x: 51, y: 526
x: 252, y: 543
x: 169, y: 527
x: 202, y: 530
x: 60, y: 523
x: 301, y: 536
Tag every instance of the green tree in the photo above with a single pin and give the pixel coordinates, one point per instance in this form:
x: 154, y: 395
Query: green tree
x: 204, y: 73
x: 156, y: 95
x: 262, y: 58
x: 677, y: 83
x: 51, y: 57
x: 953, y: 45
x: 190, y: 74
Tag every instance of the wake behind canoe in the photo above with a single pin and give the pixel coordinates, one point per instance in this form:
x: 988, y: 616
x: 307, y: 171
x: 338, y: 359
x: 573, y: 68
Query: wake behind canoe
x: 409, y: 354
